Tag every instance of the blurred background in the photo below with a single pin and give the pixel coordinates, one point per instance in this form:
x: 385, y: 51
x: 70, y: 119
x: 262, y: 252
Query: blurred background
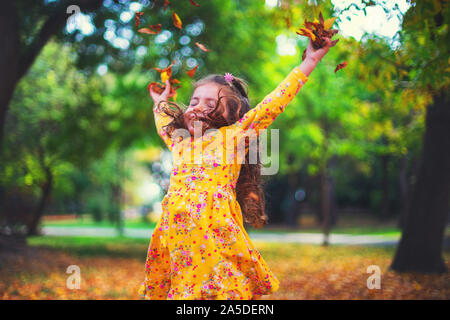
x: 364, y: 152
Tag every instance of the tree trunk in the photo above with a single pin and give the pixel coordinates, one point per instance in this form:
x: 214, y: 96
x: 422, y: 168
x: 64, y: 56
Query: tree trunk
x: 404, y: 190
x: 45, y: 197
x: 420, y: 248
x: 332, y: 192
x: 385, y: 186
x: 325, y: 203
x: 9, y: 59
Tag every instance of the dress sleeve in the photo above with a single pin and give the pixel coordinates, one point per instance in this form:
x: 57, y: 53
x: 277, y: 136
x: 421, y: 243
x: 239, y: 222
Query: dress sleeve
x: 161, y: 120
x: 260, y: 117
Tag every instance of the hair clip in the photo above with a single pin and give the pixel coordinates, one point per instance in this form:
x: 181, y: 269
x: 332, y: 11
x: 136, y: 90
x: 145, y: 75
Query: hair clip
x: 229, y: 77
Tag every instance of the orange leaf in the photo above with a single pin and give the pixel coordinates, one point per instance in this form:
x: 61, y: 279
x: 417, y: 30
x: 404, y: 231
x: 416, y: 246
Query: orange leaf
x: 192, y: 71
x: 176, y: 21
x: 166, y: 3
x: 156, y: 27
x: 307, y: 33
x: 194, y: 3
x: 340, y: 66
x: 329, y: 23
x: 148, y: 31
x: 137, y: 15
x: 164, y: 76
x: 202, y: 47
x: 166, y: 73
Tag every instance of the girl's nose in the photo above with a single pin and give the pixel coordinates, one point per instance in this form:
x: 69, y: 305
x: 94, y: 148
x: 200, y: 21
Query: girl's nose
x: 199, y: 110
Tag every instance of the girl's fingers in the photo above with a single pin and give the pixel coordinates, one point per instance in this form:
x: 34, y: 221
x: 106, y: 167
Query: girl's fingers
x: 333, y: 43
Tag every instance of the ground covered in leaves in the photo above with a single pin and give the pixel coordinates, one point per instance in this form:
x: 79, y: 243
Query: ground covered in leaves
x: 113, y: 268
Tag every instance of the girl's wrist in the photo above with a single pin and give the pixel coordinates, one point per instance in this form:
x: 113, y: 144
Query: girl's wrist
x: 308, y: 65
x: 155, y: 105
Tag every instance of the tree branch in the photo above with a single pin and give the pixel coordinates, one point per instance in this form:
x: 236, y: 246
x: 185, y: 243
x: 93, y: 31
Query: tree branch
x: 55, y: 22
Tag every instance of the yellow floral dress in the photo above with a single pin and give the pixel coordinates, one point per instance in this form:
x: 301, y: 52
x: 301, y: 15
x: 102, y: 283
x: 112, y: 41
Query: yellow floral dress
x: 199, y: 248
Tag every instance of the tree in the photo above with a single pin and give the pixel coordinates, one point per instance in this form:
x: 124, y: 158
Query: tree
x: 55, y: 119
x: 426, y: 47
x: 423, y: 50
x: 22, y: 44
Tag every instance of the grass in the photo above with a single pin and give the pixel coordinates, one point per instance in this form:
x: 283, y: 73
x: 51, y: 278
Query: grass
x: 88, y: 222
x: 113, y: 268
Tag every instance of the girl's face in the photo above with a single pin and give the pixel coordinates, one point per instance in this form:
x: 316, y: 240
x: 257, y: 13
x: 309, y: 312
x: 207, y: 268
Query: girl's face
x: 203, y: 101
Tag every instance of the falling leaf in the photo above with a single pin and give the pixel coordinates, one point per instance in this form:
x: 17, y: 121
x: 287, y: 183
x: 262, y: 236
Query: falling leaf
x: 137, y: 15
x: 152, y: 29
x: 192, y: 71
x: 176, y: 21
x: 148, y: 31
x: 156, y: 27
x: 201, y: 46
x: 340, y: 66
x: 288, y: 22
x: 194, y: 3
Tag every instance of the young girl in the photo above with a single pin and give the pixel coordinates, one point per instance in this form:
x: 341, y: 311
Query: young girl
x: 199, y: 248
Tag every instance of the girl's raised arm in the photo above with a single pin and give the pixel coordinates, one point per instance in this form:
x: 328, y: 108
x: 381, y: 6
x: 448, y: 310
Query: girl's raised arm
x: 260, y: 117
x: 161, y: 119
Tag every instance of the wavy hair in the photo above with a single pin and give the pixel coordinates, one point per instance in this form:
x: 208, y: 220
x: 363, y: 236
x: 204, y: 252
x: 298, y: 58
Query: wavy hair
x: 249, y: 187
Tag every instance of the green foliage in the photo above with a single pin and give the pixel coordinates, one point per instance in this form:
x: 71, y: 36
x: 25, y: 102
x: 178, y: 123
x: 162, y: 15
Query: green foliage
x: 54, y: 121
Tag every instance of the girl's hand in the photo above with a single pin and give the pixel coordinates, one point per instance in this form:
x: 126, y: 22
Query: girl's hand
x: 317, y: 55
x: 164, y: 96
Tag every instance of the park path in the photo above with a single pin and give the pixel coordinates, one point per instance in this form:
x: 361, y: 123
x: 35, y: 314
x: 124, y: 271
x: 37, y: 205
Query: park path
x: 287, y: 237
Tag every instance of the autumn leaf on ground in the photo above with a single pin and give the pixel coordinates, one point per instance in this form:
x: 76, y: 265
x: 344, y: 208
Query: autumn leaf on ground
x: 137, y: 15
x: 194, y: 3
x: 201, y: 46
x: 322, y: 274
x: 192, y: 71
x: 340, y: 66
x: 176, y: 21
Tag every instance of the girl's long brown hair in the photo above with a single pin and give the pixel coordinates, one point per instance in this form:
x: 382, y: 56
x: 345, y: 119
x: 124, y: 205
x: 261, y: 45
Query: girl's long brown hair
x: 249, y: 187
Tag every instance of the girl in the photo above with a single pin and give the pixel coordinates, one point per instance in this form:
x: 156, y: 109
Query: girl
x: 199, y: 248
